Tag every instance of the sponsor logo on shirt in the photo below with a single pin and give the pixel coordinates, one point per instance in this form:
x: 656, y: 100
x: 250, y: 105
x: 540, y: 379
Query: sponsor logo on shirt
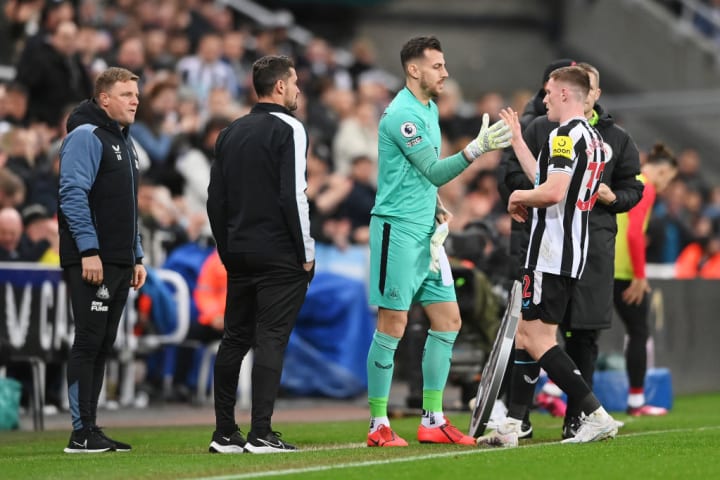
x: 414, y: 141
x: 562, y: 146
x: 98, y: 307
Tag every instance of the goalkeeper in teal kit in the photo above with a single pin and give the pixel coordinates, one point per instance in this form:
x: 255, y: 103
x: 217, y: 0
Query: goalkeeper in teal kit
x: 408, y: 226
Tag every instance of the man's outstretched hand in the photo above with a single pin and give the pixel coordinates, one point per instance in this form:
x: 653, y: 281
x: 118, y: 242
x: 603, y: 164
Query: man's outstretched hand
x: 493, y: 137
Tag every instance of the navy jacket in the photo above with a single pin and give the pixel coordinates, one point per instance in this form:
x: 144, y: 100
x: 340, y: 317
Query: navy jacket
x: 97, y: 211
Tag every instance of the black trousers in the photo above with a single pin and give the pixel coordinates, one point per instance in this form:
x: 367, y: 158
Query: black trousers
x: 635, y: 319
x: 96, y: 315
x: 264, y: 296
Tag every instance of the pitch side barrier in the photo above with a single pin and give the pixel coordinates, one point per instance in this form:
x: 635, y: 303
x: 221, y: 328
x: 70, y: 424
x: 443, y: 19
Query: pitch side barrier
x: 36, y: 322
x: 684, y: 332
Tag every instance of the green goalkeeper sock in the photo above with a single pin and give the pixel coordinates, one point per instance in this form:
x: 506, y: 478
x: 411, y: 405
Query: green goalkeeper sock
x: 380, y: 367
x: 436, y: 367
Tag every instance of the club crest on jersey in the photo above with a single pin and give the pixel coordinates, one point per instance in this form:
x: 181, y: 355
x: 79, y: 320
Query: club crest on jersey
x: 102, y: 293
x: 408, y: 129
x: 116, y: 149
x: 562, y: 146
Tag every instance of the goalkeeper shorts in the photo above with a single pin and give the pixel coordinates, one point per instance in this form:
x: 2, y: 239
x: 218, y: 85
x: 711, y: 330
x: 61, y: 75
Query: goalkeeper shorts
x: 400, y: 268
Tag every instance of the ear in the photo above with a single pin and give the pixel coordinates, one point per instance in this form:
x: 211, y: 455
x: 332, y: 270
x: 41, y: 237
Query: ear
x: 280, y: 87
x: 413, y: 70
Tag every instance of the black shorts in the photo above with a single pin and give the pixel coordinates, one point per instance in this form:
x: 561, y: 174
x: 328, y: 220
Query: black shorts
x: 545, y: 296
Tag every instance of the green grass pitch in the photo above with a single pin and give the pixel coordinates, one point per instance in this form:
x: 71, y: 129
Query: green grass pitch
x: 684, y: 444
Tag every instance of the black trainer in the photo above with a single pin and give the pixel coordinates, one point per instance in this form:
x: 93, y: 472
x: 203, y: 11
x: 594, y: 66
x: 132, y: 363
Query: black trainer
x: 119, y: 446
x: 233, y: 443
x: 570, y: 427
x: 88, y: 440
x: 270, y: 443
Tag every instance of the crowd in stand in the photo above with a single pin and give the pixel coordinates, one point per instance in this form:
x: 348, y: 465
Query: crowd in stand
x: 194, y: 59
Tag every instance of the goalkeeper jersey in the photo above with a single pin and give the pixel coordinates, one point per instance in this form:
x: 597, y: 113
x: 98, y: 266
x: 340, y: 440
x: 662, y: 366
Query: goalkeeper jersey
x: 403, y: 192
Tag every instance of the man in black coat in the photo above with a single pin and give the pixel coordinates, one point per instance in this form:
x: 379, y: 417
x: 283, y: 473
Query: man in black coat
x: 54, y: 75
x: 259, y: 217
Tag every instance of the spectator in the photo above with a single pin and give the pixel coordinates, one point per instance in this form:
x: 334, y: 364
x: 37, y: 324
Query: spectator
x: 194, y: 166
x: 131, y: 55
x: 346, y: 202
x: 12, y: 188
x: 364, y: 59
x: 689, y: 171
x: 158, y: 123
x: 701, y: 258
x: 54, y: 75
x: 669, y: 229
x: 235, y: 55
x: 160, y: 222
x: 707, y: 18
x: 52, y: 14
x: 41, y: 235
x: 24, y: 154
x: 205, y: 70
x: 13, y: 112
x: 11, y: 230
x: 155, y: 39
x: 356, y: 136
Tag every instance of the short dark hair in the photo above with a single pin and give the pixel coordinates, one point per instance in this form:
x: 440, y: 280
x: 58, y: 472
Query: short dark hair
x: 574, y: 75
x: 16, y: 87
x: 415, y: 48
x: 107, y: 79
x: 268, y: 70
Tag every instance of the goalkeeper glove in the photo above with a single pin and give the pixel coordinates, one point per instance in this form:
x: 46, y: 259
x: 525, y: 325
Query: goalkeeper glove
x: 436, y: 242
x: 494, y: 137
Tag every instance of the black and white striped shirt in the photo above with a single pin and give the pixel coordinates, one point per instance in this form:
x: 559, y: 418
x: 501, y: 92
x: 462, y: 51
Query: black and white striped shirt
x: 559, y: 233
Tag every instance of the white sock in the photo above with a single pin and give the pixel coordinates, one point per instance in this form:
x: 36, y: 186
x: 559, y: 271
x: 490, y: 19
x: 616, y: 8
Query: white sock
x: 600, y: 413
x: 433, y: 419
x: 636, y: 400
x: 510, y: 425
x: 376, y: 422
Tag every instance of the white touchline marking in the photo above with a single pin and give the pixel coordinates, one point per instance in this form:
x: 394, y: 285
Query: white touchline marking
x: 370, y: 463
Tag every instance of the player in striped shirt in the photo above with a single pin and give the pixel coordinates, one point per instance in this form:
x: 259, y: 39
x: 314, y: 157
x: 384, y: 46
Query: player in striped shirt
x: 567, y: 176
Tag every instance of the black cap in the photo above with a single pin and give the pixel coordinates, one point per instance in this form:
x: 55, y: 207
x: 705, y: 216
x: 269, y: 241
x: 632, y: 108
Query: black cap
x: 554, y: 65
x: 34, y: 212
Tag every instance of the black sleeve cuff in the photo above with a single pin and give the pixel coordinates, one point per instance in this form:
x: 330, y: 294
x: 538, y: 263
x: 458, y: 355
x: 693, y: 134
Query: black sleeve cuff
x: 91, y: 252
x: 138, y: 261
